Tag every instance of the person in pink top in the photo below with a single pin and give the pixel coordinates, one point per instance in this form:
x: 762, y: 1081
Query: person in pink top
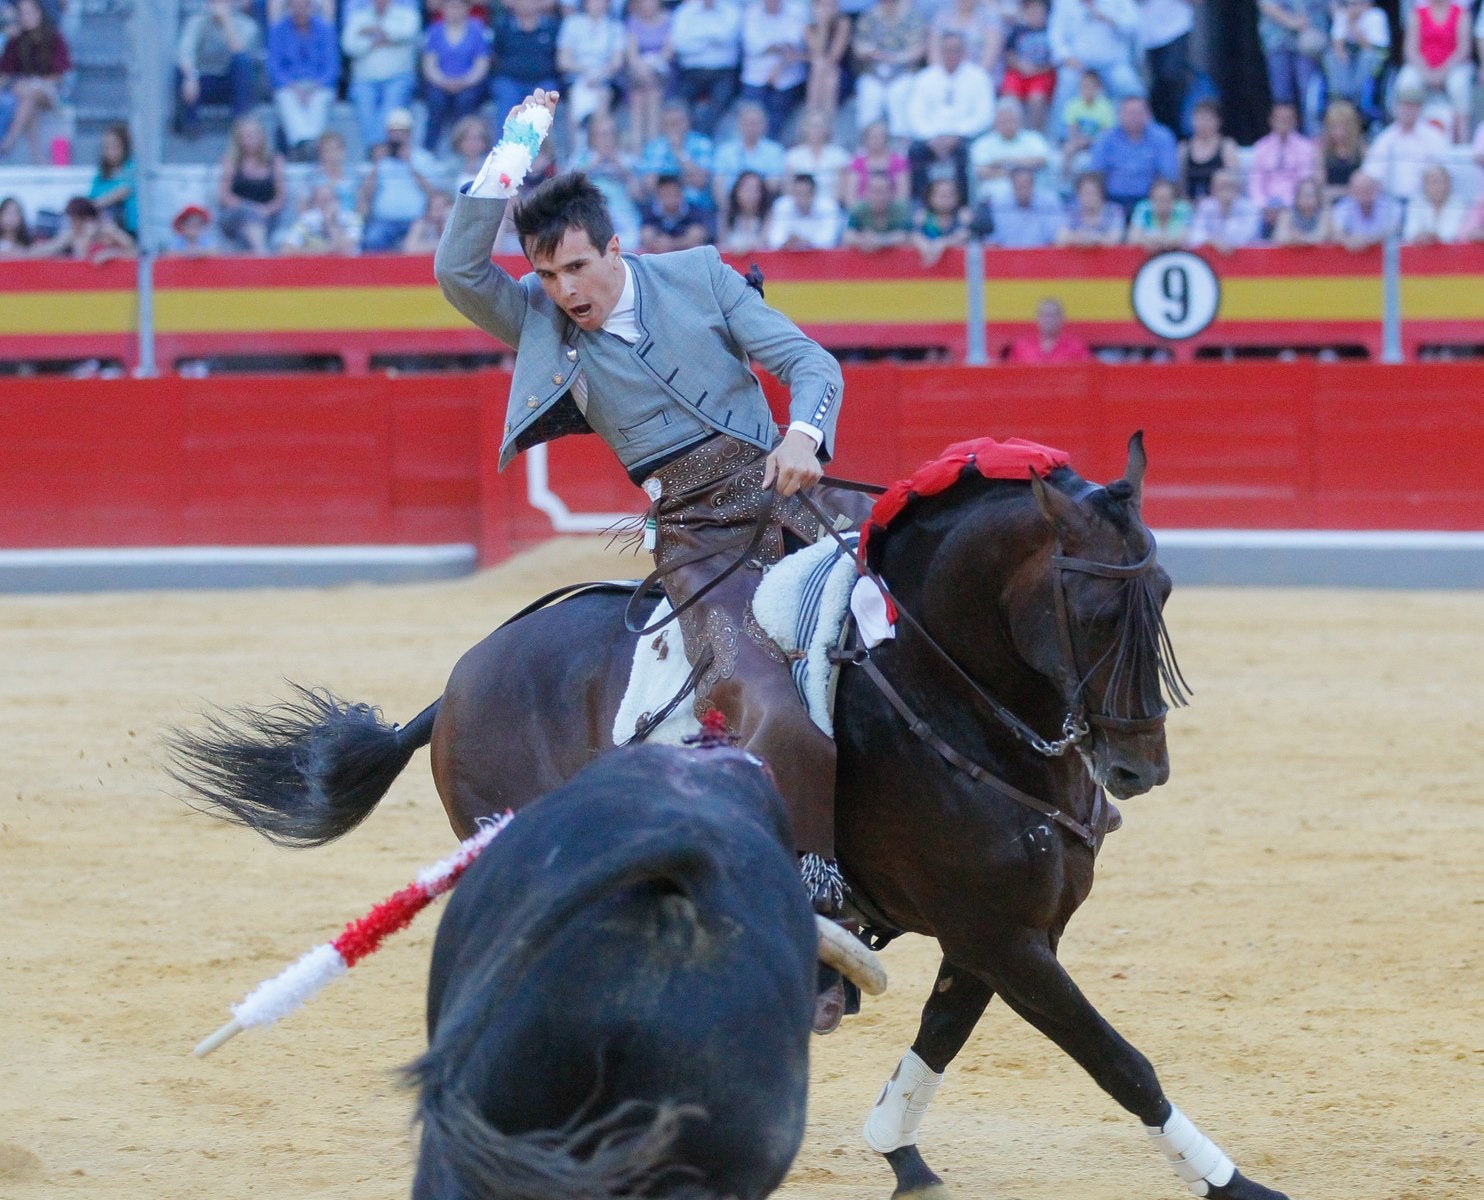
x: 1278, y: 161
x: 1438, y: 59
x: 1051, y: 344
x: 1472, y: 229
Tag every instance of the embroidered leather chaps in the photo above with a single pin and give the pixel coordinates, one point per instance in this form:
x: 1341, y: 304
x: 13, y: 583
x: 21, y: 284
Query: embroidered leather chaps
x: 711, y: 498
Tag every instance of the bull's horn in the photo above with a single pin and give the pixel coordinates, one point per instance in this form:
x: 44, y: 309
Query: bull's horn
x: 850, y: 957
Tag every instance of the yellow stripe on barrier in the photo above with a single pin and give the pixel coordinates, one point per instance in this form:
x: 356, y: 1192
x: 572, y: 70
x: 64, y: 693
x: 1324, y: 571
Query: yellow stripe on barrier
x: 303, y: 309
x: 1442, y: 298
x: 905, y: 302
x: 1305, y: 299
x: 82, y: 312
x: 870, y: 301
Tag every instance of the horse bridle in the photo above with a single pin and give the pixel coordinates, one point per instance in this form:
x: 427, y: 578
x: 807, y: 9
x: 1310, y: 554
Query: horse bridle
x: 1075, y: 682
x: 1077, y: 723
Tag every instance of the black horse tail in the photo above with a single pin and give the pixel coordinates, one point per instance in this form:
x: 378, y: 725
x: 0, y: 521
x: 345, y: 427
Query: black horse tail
x: 300, y: 773
x: 625, y: 1153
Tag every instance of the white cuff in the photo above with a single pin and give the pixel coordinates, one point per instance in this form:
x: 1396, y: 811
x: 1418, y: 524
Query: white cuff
x: 814, y: 433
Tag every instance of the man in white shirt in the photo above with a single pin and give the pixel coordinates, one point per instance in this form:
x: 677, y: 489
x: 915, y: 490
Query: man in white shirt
x: 1405, y: 148
x: 1007, y: 145
x: 774, y: 58
x: 750, y: 150
x: 707, y: 38
x: 951, y: 103
x: 1359, y: 39
x: 381, y: 41
x: 802, y: 219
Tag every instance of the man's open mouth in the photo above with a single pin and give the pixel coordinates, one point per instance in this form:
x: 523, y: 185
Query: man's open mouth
x: 580, y: 312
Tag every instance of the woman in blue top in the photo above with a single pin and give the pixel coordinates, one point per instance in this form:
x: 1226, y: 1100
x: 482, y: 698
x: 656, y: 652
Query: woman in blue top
x: 112, y: 189
x: 456, y: 62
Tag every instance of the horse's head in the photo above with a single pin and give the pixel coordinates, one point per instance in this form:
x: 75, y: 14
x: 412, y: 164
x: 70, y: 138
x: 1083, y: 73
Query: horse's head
x: 1094, y: 624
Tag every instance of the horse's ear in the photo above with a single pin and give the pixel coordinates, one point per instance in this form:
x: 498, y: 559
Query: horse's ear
x: 1058, y: 508
x: 1133, y: 473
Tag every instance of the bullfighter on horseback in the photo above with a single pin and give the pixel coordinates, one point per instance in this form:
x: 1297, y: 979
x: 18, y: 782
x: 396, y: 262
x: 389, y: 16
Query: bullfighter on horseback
x: 653, y: 354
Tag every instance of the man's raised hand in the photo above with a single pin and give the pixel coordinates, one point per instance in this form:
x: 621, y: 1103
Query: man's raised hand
x: 540, y: 98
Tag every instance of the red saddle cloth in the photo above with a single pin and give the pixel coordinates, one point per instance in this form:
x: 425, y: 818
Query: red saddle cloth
x: 1014, y: 458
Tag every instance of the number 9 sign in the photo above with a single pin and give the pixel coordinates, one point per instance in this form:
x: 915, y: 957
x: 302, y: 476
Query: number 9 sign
x: 1176, y: 295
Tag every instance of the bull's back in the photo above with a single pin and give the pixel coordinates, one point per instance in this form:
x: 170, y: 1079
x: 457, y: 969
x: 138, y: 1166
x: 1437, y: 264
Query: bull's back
x: 689, y: 981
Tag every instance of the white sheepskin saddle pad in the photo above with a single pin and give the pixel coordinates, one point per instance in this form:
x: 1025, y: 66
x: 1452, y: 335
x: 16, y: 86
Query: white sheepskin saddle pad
x: 801, y: 603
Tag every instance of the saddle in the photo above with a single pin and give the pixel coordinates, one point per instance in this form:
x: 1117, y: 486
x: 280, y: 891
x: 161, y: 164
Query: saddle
x: 802, y: 603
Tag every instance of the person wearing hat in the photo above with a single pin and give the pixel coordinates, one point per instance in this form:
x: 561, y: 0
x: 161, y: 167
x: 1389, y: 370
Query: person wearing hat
x: 395, y: 191
x: 192, y: 235
x: 1406, y: 147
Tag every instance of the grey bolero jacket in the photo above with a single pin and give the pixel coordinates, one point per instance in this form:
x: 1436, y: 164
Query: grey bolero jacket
x: 700, y: 326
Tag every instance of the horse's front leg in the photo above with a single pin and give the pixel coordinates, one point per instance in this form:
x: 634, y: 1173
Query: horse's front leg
x: 952, y: 1010
x: 1024, y: 970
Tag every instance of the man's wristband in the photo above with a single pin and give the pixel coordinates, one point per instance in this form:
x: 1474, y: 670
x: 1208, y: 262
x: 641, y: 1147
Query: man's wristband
x: 507, y: 164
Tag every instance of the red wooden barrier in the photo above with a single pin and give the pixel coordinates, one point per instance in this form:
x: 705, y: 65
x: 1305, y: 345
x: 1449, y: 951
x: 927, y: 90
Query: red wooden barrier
x: 314, y: 460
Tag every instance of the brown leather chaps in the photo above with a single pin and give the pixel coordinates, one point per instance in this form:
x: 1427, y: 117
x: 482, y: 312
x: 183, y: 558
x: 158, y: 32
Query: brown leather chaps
x: 710, y: 500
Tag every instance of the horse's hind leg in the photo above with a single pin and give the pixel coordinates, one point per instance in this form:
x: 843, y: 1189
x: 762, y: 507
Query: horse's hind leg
x: 952, y: 1010
x: 1024, y: 970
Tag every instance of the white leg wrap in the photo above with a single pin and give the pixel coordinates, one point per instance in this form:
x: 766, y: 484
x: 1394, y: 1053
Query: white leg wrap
x: 1196, y: 1158
x: 893, y: 1122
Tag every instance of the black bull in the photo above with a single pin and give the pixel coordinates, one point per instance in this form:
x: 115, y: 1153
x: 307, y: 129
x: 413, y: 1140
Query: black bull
x: 622, y: 991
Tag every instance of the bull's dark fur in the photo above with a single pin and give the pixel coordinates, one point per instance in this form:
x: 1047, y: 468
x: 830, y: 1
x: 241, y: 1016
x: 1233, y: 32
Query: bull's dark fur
x: 622, y: 992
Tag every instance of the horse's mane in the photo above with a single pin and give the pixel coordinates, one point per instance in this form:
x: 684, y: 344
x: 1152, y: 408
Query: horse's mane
x: 984, y: 468
x: 1143, y: 657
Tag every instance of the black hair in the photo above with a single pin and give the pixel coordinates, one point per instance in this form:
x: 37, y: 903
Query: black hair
x: 733, y: 203
x: 120, y: 130
x: 571, y: 201
x: 23, y: 231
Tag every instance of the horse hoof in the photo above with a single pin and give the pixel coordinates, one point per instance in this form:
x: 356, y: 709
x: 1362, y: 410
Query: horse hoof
x: 933, y: 1191
x: 1239, y: 1187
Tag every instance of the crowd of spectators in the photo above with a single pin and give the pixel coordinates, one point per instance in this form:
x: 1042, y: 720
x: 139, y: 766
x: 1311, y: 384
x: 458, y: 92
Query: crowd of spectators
x: 793, y: 124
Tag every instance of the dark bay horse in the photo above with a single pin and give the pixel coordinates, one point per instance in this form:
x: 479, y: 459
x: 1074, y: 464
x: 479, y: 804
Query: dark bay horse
x: 1029, y: 669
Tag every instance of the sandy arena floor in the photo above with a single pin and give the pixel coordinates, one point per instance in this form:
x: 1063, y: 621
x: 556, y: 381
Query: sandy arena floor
x: 1290, y: 930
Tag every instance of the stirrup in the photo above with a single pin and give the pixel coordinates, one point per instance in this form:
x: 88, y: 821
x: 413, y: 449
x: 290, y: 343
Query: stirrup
x: 824, y: 884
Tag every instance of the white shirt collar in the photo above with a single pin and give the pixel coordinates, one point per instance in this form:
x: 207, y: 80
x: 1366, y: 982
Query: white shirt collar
x: 622, y: 321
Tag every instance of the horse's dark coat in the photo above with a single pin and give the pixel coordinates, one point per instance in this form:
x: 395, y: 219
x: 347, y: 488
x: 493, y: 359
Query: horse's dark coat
x: 638, y: 935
